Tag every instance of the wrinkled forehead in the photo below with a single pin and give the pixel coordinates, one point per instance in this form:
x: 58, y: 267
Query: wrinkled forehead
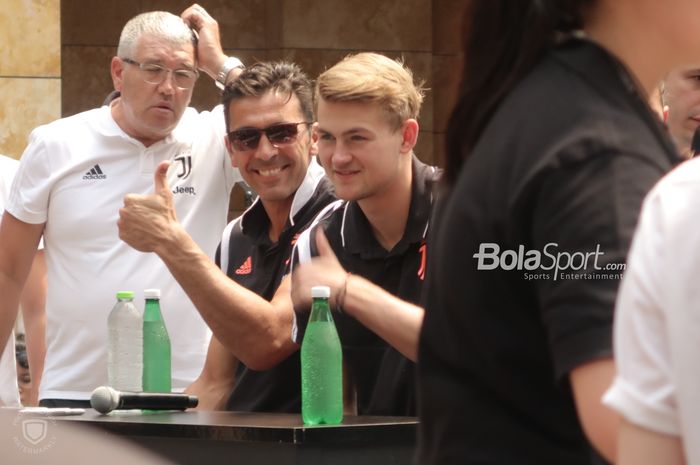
x: 160, y: 49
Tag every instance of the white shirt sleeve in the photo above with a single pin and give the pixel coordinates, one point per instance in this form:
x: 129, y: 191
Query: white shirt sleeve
x: 29, y: 197
x: 657, y: 322
x: 643, y: 391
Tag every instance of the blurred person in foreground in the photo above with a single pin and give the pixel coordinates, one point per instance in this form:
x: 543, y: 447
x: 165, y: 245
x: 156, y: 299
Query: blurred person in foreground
x: 551, y: 149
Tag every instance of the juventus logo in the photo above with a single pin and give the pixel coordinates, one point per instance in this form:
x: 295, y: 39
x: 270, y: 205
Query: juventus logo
x: 185, y: 161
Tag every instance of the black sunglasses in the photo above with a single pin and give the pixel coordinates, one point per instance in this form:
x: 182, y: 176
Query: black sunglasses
x: 278, y: 134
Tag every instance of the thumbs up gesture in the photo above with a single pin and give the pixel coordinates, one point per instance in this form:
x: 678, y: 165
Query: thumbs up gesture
x: 146, y: 221
x: 322, y: 270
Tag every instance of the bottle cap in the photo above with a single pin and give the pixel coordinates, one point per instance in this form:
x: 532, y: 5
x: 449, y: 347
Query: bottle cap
x: 152, y: 293
x: 320, y: 292
x: 125, y: 294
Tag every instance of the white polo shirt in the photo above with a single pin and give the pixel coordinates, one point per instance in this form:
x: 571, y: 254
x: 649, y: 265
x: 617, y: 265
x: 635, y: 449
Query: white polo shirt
x: 73, y: 176
x: 9, y: 392
x: 657, y: 319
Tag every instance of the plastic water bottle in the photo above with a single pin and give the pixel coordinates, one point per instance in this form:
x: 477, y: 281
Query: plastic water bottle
x: 156, y: 346
x: 124, y: 344
x: 321, y: 365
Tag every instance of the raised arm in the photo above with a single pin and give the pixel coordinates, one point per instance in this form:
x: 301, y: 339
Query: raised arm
x: 210, y: 54
x: 256, y: 331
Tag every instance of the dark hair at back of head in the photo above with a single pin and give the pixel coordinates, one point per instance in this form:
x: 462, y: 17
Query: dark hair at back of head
x: 258, y: 79
x: 503, y: 40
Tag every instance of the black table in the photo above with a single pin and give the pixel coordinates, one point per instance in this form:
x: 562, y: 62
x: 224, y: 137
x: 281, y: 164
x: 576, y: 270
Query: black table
x: 259, y: 439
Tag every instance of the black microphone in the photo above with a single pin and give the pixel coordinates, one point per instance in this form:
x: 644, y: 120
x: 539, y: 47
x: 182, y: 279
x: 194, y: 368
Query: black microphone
x: 695, y: 144
x: 104, y: 399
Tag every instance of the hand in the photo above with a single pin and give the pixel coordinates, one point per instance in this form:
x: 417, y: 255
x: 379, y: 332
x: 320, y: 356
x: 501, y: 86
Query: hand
x: 323, y: 270
x: 209, y: 51
x: 145, y: 221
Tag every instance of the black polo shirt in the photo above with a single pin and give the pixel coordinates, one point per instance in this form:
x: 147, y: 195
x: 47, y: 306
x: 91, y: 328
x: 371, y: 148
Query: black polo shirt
x: 256, y: 263
x: 566, y: 160
x: 384, y: 378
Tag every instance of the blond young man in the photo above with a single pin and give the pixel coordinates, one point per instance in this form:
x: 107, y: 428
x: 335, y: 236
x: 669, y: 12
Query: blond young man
x: 370, y: 247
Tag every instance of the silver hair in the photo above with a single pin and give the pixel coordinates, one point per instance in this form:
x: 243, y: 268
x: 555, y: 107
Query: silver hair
x: 159, y: 24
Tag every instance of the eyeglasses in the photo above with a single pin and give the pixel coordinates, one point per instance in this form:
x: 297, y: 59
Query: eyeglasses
x: 156, y: 74
x: 278, y: 134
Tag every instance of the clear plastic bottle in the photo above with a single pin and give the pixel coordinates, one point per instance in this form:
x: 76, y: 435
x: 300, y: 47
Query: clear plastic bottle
x: 156, y: 346
x: 125, y: 344
x: 321, y: 365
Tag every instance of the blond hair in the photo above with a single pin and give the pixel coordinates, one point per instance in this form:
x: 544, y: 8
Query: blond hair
x: 373, y: 78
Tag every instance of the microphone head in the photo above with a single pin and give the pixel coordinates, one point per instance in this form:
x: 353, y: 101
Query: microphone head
x: 104, y: 399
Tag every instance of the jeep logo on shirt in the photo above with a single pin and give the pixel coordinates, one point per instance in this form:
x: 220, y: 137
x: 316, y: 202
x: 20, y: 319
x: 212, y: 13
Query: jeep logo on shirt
x: 184, y: 190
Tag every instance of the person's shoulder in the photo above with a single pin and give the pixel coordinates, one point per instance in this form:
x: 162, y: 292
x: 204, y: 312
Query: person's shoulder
x: 205, y: 127
x: 323, y: 194
x: 560, y: 114
x: 63, y: 128
x: 8, y: 168
x: 681, y: 184
x: 233, y: 230
x: 576, y: 86
x: 428, y: 173
x: 670, y: 207
x: 8, y: 163
x: 329, y: 218
x: 192, y: 115
x: 331, y: 214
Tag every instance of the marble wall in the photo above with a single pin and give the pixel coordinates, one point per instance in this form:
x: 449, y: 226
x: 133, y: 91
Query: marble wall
x: 30, y: 70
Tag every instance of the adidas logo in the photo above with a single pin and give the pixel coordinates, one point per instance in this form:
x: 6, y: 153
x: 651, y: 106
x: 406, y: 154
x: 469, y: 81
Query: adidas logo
x: 95, y: 173
x: 246, y: 267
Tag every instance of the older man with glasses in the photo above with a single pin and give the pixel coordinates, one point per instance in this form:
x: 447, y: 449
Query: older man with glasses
x: 269, y: 116
x: 72, y: 181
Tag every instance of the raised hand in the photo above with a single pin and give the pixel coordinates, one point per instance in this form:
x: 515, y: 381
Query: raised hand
x: 145, y: 221
x: 322, y: 270
x: 209, y: 51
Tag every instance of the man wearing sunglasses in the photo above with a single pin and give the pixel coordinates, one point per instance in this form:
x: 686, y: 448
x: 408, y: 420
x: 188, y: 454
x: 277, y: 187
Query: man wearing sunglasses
x: 72, y: 180
x: 269, y: 116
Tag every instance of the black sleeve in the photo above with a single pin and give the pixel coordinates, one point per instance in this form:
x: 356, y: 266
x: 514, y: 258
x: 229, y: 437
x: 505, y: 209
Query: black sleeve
x: 217, y: 256
x: 585, y: 214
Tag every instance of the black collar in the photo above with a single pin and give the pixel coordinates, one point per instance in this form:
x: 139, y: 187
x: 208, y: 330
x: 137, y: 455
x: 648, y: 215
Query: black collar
x: 256, y: 224
x: 613, y: 81
x: 360, y: 239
